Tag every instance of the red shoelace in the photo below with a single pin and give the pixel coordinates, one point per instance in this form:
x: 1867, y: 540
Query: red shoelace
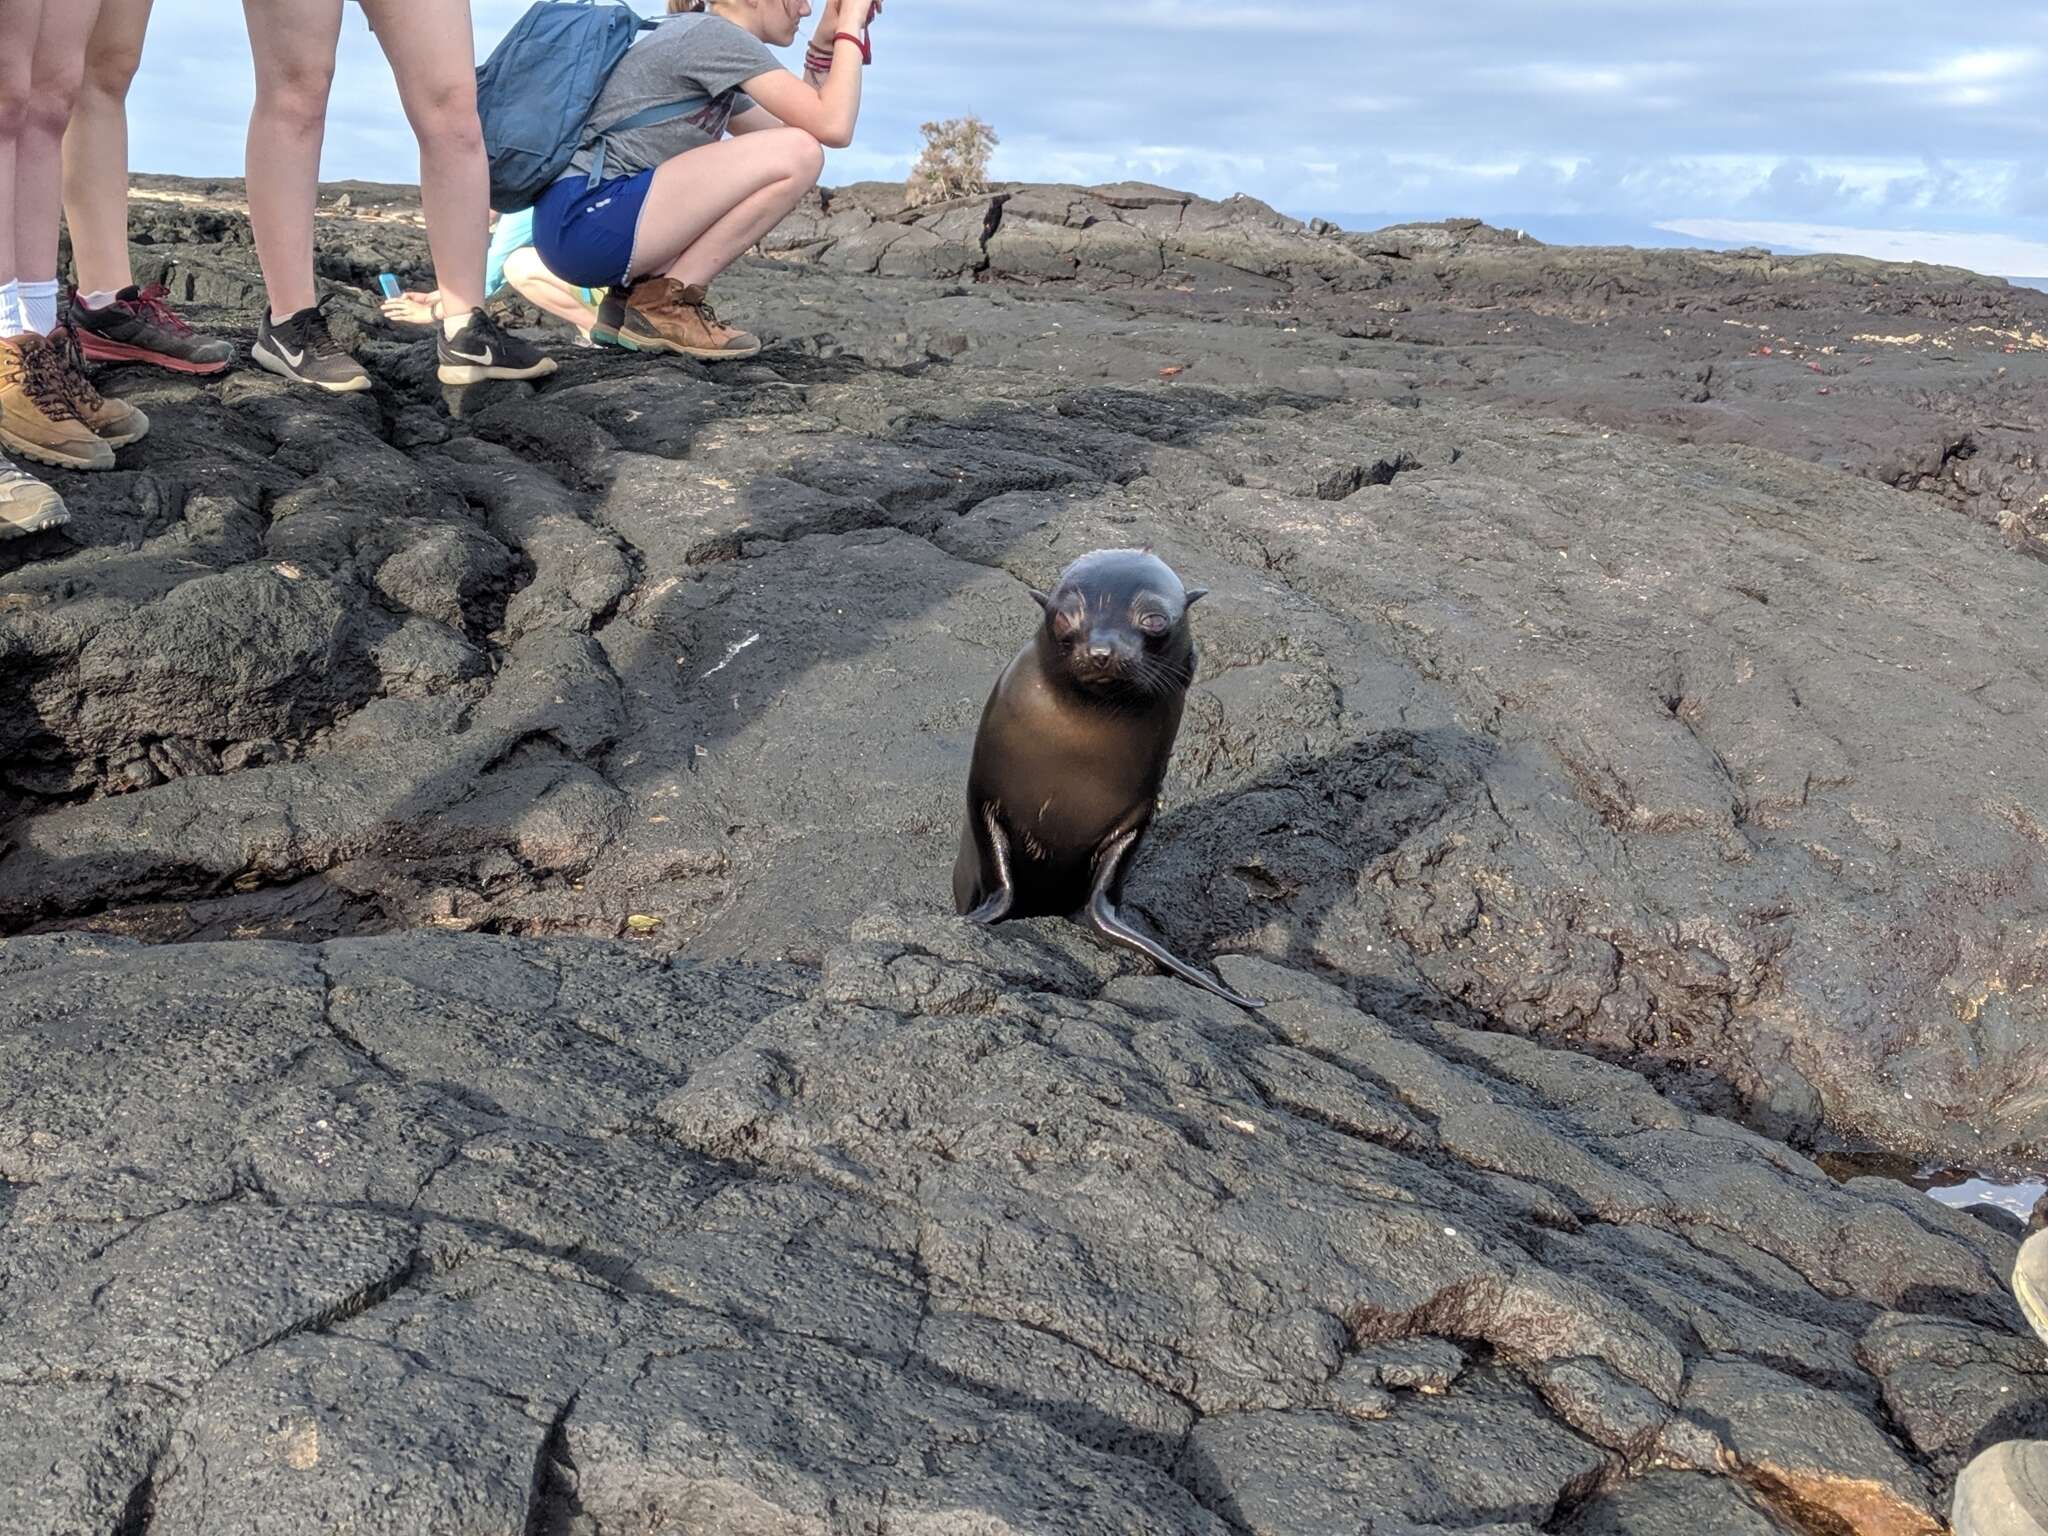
x: 154, y: 303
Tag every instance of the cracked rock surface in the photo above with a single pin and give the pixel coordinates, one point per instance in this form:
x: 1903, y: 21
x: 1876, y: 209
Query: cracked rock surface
x: 1672, y: 729
x: 1616, y: 751
x: 959, y: 1231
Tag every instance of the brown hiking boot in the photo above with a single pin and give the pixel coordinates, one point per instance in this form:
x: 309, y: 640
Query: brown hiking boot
x: 114, y: 422
x: 27, y: 505
x: 38, y: 417
x: 663, y: 315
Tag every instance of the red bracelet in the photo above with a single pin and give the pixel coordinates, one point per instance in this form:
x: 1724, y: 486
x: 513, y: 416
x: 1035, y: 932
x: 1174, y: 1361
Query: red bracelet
x: 859, y: 40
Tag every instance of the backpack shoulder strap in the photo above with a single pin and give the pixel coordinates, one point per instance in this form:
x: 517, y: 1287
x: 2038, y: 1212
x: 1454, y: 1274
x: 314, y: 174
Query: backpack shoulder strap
x: 646, y: 117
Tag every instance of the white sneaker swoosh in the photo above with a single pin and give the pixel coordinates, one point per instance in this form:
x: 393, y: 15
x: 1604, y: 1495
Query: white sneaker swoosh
x: 486, y: 360
x: 292, y: 360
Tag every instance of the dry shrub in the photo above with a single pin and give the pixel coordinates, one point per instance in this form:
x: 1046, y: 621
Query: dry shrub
x: 954, y: 162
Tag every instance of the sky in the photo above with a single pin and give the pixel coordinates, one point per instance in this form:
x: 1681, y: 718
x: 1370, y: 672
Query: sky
x: 1888, y: 127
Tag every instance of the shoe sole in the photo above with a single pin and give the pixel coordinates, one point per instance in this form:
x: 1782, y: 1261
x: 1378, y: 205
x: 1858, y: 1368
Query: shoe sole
x: 476, y: 374
x: 58, y: 458
x: 41, y: 522
x: 1988, y: 1503
x: 128, y: 439
x: 651, y: 344
x: 98, y: 349
x: 278, y: 366
x: 2025, y: 1291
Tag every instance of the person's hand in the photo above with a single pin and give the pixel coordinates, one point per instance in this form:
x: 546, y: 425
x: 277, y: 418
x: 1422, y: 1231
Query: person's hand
x: 838, y: 16
x: 413, y: 308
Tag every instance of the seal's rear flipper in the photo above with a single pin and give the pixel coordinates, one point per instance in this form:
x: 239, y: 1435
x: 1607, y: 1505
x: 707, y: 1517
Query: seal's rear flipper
x: 1112, y: 925
x: 1104, y: 918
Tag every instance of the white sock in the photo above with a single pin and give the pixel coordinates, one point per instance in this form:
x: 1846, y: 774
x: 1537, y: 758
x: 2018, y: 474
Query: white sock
x: 39, y: 306
x: 99, y: 298
x: 10, y: 309
x: 451, y: 325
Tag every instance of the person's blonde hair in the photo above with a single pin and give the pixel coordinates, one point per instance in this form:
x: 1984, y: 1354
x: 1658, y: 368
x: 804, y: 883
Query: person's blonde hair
x: 684, y: 7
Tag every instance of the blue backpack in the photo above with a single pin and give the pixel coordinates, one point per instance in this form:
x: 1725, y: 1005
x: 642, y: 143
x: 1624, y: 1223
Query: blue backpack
x: 538, y: 89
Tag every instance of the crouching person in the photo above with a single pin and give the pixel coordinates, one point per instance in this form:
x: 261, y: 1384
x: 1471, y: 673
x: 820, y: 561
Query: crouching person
x: 513, y: 264
x: 676, y: 202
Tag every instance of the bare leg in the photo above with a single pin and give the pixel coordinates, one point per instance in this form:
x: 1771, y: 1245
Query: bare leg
x: 996, y: 855
x: 294, y: 42
x: 57, y: 68
x: 533, y: 282
x: 1106, y: 920
x: 96, y: 149
x: 432, y: 48
x: 707, y: 208
x: 20, y: 20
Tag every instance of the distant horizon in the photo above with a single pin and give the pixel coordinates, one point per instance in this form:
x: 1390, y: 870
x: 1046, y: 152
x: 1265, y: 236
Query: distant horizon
x: 1987, y: 252
x: 1983, y: 251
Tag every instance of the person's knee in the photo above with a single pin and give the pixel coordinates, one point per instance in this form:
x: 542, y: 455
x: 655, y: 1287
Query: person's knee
x: 444, y: 119
x: 524, y: 266
x: 51, y: 97
x: 527, y: 275
x: 292, y: 100
x: 802, y: 157
x: 110, y: 69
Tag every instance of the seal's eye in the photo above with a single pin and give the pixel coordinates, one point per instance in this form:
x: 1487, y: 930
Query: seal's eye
x: 1155, y: 624
x: 1065, y: 623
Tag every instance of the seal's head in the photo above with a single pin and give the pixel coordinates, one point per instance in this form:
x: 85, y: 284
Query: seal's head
x: 1116, y: 626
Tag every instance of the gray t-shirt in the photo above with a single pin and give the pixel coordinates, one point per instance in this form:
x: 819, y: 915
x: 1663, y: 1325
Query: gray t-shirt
x: 697, y: 57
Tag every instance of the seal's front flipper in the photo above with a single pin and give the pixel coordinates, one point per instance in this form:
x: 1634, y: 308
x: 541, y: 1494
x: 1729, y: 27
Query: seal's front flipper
x: 995, y: 870
x: 992, y: 911
x: 1106, y: 920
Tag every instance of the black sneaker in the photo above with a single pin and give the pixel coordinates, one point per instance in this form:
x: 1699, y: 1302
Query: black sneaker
x: 303, y: 350
x: 481, y: 351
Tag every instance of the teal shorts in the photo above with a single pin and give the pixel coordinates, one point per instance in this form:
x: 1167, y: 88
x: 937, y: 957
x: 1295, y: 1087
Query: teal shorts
x: 514, y: 233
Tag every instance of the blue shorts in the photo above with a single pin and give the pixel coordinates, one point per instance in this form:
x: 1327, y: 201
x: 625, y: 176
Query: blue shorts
x: 585, y: 234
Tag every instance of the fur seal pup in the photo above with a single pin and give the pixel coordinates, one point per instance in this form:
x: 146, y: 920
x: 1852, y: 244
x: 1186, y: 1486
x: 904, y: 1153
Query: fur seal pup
x: 1072, y: 750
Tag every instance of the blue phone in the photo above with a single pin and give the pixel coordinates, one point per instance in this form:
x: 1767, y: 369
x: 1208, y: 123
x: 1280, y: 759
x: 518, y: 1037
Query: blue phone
x: 389, y: 284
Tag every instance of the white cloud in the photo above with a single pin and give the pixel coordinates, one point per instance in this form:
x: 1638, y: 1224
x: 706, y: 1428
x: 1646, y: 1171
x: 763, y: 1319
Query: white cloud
x: 1980, y: 79
x: 1962, y: 70
x: 1327, y: 106
x: 1577, y: 79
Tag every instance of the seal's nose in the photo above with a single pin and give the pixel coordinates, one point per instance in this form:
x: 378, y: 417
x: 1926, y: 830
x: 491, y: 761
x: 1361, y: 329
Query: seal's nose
x: 1100, y: 650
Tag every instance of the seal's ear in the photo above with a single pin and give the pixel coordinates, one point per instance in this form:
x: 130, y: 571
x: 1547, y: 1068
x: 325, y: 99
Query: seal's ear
x: 1041, y: 599
x: 1194, y: 596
